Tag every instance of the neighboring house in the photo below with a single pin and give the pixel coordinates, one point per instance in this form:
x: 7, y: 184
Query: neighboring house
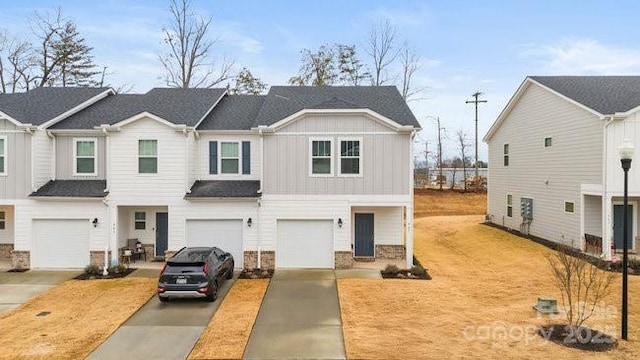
x: 554, y: 168
x: 301, y: 177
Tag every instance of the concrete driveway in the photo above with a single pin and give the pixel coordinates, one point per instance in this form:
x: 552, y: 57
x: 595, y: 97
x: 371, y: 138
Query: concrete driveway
x: 18, y: 287
x: 299, y: 318
x: 161, y: 330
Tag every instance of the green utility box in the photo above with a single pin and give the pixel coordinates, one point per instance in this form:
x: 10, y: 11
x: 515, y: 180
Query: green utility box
x: 546, y: 305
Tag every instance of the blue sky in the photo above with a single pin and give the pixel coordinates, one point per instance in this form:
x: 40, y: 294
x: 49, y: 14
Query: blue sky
x: 465, y: 46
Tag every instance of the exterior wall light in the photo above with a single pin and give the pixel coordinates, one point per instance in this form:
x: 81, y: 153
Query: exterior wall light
x: 249, y: 222
x: 95, y: 222
x: 339, y: 222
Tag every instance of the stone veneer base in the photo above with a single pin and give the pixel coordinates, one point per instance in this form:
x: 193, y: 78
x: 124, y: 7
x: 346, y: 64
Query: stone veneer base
x: 343, y: 260
x: 390, y: 252
x: 5, y: 251
x: 267, y: 259
x: 21, y: 259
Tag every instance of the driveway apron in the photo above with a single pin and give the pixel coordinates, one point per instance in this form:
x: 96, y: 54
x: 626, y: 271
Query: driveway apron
x: 160, y: 330
x: 299, y: 318
x: 18, y: 287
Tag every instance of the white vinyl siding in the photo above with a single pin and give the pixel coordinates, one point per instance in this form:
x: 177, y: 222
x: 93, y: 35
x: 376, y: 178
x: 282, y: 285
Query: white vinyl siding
x: 148, y: 156
x: 229, y: 158
x: 3, y: 155
x: 85, y: 157
x: 574, y: 161
x: 350, y: 163
x: 321, y: 159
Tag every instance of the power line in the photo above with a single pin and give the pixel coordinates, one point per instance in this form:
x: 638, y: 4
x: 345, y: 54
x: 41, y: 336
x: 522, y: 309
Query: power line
x: 476, y: 101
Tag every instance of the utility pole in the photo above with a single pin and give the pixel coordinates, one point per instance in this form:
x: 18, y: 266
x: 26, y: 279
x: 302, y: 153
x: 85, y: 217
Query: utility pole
x: 426, y: 163
x: 439, y: 151
x: 476, y: 101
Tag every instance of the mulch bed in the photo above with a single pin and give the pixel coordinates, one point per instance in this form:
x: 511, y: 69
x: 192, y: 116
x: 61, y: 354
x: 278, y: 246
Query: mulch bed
x: 121, y: 274
x: 404, y: 274
x: 17, y: 270
x: 591, y: 340
x: 256, y: 274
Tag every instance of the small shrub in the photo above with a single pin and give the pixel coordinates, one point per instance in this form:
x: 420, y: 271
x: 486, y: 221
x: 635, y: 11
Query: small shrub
x: 92, y: 270
x: 418, y: 270
x: 117, y: 269
x: 391, y: 269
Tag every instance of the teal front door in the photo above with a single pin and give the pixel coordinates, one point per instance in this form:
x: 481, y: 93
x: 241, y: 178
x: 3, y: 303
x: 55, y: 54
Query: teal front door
x: 618, y: 217
x: 364, y: 244
x: 162, y: 233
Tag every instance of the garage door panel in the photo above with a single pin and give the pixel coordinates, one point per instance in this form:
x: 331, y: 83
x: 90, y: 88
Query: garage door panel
x: 60, y: 243
x: 305, y: 244
x: 223, y: 234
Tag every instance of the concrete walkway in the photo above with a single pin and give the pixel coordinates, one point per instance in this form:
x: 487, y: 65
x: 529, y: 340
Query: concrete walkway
x: 299, y: 318
x: 161, y: 330
x: 18, y: 287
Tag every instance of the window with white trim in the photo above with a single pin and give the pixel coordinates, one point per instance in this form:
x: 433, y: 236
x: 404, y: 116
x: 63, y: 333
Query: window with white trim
x: 148, y: 156
x: 350, y: 162
x: 321, y: 162
x: 568, y: 207
x: 84, y: 157
x: 229, y: 157
x: 3, y: 220
x: 140, y: 220
x: 548, y: 141
x: 506, y: 154
x: 509, y: 205
x: 3, y: 155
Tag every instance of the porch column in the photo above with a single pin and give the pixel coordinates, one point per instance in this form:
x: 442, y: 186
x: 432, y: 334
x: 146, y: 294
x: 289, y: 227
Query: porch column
x: 607, y: 224
x: 113, y: 232
x: 409, y: 236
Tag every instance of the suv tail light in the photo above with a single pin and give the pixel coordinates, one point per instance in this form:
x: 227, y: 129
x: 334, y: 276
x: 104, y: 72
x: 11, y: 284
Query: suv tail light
x: 205, y: 269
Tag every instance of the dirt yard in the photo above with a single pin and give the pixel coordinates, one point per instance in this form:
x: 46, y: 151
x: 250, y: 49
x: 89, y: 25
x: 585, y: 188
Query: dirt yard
x: 82, y: 314
x: 479, y: 303
x: 432, y: 202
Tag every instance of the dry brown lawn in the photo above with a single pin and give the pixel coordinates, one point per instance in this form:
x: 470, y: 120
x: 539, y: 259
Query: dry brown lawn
x: 82, y: 315
x: 227, y: 334
x: 432, y: 202
x: 479, y: 303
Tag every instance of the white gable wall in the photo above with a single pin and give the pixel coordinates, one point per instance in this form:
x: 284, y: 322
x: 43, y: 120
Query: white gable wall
x: 574, y: 158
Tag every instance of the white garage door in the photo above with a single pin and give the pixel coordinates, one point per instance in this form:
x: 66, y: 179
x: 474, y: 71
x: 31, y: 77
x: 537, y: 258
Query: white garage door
x: 305, y: 244
x: 223, y: 234
x: 60, y: 243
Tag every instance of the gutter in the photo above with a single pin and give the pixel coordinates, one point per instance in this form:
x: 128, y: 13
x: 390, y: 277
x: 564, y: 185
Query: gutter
x: 261, y: 129
x: 604, y: 179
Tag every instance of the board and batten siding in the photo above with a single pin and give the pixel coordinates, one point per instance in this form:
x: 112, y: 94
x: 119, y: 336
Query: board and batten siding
x: 16, y: 183
x: 43, y: 158
x: 593, y: 215
x: 387, y: 224
x: 126, y: 185
x: 385, y: 157
x: 203, y: 148
x: 65, y: 160
x: 548, y: 175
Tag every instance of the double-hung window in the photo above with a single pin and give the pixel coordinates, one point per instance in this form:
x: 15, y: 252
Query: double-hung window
x: 3, y: 220
x: 140, y: 220
x: 321, y: 159
x: 350, y: 161
x: 509, y: 205
x: 3, y: 155
x: 229, y: 157
x: 148, y: 156
x: 85, y: 157
x: 506, y: 154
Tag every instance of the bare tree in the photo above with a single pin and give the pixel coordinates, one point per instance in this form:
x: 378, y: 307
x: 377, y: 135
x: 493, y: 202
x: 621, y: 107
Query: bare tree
x: 582, y: 286
x: 47, y: 28
x: 463, y: 147
x: 318, y: 68
x: 16, y: 64
x: 439, y: 150
x: 246, y: 83
x: 188, y: 63
x: 410, y: 64
x: 381, y: 49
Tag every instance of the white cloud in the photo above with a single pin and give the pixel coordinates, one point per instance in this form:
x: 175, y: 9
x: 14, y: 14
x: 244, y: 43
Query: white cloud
x: 416, y: 16
x: 234, y: 38
x: 583, y: 57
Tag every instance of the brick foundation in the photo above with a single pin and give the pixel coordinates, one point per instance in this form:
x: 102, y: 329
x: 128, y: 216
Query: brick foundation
x: 267, y: 259
x: 5, y: 251
x: 21, y: 259
x: 390, y: 252
x: 97, y: 258
x: 343, y: 259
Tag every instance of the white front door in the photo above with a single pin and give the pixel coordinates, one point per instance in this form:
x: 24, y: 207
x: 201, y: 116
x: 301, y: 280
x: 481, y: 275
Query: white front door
x: 223, y: 234
x: 305, y: 244
x: 60, y: 243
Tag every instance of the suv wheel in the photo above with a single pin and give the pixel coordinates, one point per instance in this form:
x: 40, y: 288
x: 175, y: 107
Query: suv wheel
x: 230, y: 273
x: 211, y: 297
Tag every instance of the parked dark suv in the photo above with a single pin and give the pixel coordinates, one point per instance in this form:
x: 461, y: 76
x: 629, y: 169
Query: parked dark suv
x: 195, y: 272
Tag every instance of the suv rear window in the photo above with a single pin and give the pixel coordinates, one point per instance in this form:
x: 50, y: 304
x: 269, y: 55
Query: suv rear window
x: 182, y: 268
x: 191, y: 256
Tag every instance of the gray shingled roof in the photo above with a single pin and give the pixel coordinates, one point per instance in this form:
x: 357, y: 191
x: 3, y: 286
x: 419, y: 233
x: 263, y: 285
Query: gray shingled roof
x: 72, y: 188
x: 179, y: 106
x: 234, y: 112
x: 283, y: 101
x: 224, y: 188
x: 42, y: 104
x: 604, y: 94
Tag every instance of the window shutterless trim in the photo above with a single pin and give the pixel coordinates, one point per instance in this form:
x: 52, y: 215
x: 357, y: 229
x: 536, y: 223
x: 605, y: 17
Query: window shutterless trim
x: 331, y: 157
x: 509, y: 201
x: 95, y: 156
x: 148, y: 157
x: 573, y: 207
x: 3, y: 171
x: 359, y: 157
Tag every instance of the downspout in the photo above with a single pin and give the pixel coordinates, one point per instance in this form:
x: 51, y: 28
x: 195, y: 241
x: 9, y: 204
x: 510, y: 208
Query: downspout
x: 409, y: 212
x: 186, y: 160
x: 53, y: 155
x: 34, y: 148
x: 196, y: 137
x: 260, y: 193
x: 107, y: 170
x: 107, y: 163
x: 605, y: 193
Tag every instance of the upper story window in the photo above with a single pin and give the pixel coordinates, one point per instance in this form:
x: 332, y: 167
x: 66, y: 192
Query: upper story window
x: 140, y: 220
x: 568, y: 207
x: 509, y: 205
x: 3, y: 220
x: 3, y: 155
x: 506, y: 154
x: 148, y: 156
x: 229, y: 158
x: 84, y: 156
x: 350, y: 162
x: 548, y: 142
x: 321, y: 163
